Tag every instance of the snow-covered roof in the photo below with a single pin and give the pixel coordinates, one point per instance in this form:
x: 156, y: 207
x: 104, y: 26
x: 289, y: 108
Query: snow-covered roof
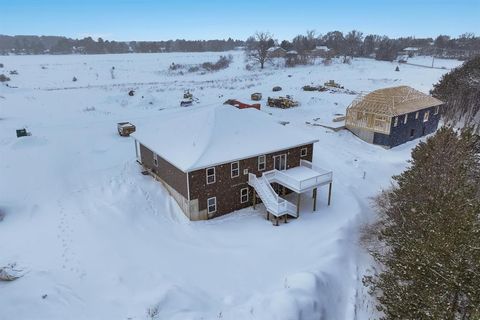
x: 207, y: 136
x: 273, y: 49
x: 292, y: 52
x: 411, y: 49
x: 325, y: 48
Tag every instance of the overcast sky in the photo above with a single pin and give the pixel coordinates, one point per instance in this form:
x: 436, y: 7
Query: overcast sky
x: 211, y: 19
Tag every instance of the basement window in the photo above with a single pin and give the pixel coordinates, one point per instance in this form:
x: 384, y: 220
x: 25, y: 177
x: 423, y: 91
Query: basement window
x: 235, y: 169
x: 303, y: 152
x: 212, y: 205
x: 155, y: 159
x: 395, y: 122
x: 261, y: 163
x: 244, y: 195
x: 210, y: 175
x: 425, y: 116
x: 412, y: 132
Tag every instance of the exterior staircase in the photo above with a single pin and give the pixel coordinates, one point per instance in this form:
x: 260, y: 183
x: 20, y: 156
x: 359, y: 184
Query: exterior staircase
x: 274, y: 204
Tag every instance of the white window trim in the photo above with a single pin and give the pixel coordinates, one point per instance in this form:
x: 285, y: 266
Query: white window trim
x: 155, y: 159
x: 416, y: 115
x: 395, y: 121
x: 263, y: 163
x: 238, y: 169
x: 437, y: 110
x: 303, y: 152
x: 426, y: 116
x: 214, y: 176
x: 406, y: 119
x: 215, y: 204
x: 241, y: 195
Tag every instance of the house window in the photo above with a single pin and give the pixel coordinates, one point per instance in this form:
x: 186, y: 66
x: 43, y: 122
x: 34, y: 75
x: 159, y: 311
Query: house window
x: 155, y: 160
x: 406, y: 119
x: 210, y: 175
x: 437, y: 109
x: 245, y: 171
x: 261, y: 163
x: 412, y: 132
x: 303, y: 152
x: 425, y: 116
x: 416, y: 115
x: 212, y: 205
x: 235, y: 169
x: 395, y: 122
x: 244, y: 195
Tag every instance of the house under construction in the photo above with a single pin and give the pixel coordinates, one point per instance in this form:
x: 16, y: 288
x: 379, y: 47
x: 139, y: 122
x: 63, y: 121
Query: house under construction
x: 392, y: 116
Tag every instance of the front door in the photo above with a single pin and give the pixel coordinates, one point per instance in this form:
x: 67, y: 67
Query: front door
x: 280, y: 162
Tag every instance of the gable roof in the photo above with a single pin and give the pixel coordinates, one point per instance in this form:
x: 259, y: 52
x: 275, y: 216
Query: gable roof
x: 273, y: 49
x: 207, y: 136
x: 394, y: 101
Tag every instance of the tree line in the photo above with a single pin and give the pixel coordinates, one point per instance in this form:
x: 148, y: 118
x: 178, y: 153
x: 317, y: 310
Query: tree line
x: 356, y: 44
x: 88, y: 45
x: 350, y: 44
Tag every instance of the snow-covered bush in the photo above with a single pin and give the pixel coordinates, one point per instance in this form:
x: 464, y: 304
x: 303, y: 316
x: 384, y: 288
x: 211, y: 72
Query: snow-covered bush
x: 4, y: 78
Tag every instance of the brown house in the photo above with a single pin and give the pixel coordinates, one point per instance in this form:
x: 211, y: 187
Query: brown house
x: 217, y: 160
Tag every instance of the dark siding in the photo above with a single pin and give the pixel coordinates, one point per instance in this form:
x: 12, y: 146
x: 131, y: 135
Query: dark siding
x: 173, y: 176
x: 402, y: 132
x: 227, y: 189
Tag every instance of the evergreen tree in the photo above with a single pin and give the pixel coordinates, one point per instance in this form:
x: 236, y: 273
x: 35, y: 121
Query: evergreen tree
x: 427, y: 237
x: 460, y: 90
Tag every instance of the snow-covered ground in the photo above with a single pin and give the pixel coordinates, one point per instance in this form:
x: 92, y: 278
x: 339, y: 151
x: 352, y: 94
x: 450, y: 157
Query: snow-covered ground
x: 101, y: 241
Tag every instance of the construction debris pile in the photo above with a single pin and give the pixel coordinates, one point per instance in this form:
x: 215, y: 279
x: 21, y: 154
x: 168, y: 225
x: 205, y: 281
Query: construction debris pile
x: 282, y: 102
x: 11, y: 272
x: 333, y: 84
x: 314, y: 88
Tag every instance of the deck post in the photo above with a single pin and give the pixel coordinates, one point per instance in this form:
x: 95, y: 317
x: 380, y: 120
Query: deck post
x: 268, y: 215
x: 254, y: 199
x: 276, y: 222
x: 329, y: 192
x: 298, y: 205
x: 285, y: 218
x: 315, y: 199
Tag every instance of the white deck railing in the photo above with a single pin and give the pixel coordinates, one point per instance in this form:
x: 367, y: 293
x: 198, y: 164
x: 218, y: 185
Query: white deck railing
x: 323, y: 177
x: 272, y: 201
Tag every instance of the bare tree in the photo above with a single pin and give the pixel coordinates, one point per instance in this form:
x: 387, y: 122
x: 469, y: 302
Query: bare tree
x: 257, y: 47
x: 353, y: 43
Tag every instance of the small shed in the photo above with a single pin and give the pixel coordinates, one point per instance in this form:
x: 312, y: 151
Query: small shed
x: 392, y: 116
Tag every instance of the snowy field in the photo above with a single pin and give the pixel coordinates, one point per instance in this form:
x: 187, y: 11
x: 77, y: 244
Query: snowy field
x: 98, y: 240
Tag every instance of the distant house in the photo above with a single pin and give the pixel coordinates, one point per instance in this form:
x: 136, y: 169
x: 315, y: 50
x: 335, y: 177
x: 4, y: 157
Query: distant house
x: 321, y: 51
x: 410, y: 51
x: 392, y: 116
x: 276, y: 52
x: 217, y: 160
